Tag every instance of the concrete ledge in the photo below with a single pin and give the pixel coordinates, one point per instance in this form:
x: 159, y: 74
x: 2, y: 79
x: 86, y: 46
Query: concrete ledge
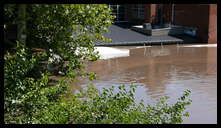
x: 107, y: 52
x: 159, y: 31
x: 142, y: 30
x: 141, y: 43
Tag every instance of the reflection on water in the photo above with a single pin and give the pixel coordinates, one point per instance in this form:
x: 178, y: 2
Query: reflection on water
x: 167, y: 70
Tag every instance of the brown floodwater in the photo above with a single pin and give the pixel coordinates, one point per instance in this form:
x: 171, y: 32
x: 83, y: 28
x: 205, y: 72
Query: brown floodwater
x: 165, y: 71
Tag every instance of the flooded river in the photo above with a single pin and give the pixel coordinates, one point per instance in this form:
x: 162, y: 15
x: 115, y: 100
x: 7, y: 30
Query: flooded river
x: 165, y: 71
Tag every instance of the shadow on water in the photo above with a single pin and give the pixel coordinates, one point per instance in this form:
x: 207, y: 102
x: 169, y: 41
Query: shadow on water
x: 167, y: 70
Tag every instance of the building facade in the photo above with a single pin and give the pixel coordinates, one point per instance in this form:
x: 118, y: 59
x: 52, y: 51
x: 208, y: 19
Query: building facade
x: 202, y: 17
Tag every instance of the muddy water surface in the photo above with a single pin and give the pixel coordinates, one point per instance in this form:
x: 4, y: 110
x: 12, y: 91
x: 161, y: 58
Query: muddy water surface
x: 165, y: 70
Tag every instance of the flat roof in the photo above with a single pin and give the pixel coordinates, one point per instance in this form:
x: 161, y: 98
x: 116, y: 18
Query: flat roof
x: 125, y: 36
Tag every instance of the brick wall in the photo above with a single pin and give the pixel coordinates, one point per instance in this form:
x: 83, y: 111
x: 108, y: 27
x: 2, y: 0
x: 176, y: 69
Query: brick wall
x: 213, y: 24
x: 152, y: 10
x: 193, y: 15
x: 203, y: 17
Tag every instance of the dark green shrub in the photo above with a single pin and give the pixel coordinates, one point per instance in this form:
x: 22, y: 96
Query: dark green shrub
x: 24, y: 92
x: 29, y: 99
x: 107, y: 107
x: 69, y: 31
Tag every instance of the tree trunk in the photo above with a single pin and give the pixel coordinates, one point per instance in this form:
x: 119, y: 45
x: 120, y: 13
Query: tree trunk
x: 21, y: 23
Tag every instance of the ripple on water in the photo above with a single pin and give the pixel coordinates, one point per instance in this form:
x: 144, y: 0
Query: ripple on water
x: 193, y: 68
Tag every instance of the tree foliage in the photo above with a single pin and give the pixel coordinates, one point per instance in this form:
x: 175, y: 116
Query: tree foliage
x: 65, y: 30
x: 30, y: 99
x: 67, y: 33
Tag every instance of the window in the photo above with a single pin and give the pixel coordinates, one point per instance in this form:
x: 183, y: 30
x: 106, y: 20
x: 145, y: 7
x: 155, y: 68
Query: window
x: 118, y: 10
x: 138, y: 11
